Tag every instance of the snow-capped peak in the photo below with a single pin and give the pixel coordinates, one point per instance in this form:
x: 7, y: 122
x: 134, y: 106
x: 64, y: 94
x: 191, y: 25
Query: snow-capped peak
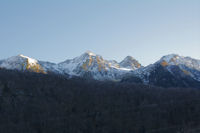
x: 129, y: 58
x: 85, y: 55
x: 97, y: 67
x: 22, y: 63
x: 30, y: 60
x: 130, y: 63
x: 94, y: 64
x: 172, y: 64
x: 174, y: 59
x: 170, y: 57
x: 21, y: 55
x: 90, y: 53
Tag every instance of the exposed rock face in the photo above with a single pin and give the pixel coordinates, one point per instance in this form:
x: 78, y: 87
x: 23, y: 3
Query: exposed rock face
x: 98, y: 67
x: 130, y: 63
x: 170, y: 71
x: 22, y: 63
x: 85, y: 65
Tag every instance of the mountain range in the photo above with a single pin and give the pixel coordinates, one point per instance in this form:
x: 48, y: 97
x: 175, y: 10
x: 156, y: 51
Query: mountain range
x: 170, y: 71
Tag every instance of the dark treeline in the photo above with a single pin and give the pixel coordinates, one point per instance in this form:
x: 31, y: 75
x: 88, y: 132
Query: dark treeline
x: 38, y: 103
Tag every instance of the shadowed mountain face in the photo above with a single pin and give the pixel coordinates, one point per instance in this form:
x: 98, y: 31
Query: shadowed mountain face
x: 170, y: 71
x: 161, y: 76
x: 176, y: 77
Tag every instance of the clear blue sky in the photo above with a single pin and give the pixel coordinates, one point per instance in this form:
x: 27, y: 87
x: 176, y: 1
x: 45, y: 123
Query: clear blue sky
x: 55, y: 30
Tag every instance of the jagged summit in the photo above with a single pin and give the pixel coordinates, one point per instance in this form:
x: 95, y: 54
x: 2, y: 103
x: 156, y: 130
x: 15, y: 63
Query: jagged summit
x: 92, y: 64
x: 22, y: 63
x: 129, y: 58
x: 90, y: 53
x: 95, y: 66
x: 20, y: 55
x: 30, y: 60
x: 86, y: 55
x: 175, y: 59
x: 130, y: 63
x: 171, y: 70
x: 169, y: 57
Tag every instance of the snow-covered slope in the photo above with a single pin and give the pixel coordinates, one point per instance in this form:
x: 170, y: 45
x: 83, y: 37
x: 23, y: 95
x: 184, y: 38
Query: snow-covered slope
x: 170, y: 67
x: 130, y: 63
x: 87, y: 65
x: 94, y: 66
x: 174, y: 59
x: 176, y: 65
x: 187, y: 65
x: 50, y: 67
x: 22, y: 63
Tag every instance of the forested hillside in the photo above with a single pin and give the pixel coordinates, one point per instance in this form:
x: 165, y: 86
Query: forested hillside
x: 47, y: 103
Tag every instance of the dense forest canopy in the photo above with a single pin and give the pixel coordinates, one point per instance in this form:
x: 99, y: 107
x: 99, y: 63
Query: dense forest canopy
x: 48, y: 103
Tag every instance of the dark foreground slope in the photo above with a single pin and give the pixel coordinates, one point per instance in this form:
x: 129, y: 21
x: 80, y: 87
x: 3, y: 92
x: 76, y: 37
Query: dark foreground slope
x: 166, y: 76
x: 37, y: 103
